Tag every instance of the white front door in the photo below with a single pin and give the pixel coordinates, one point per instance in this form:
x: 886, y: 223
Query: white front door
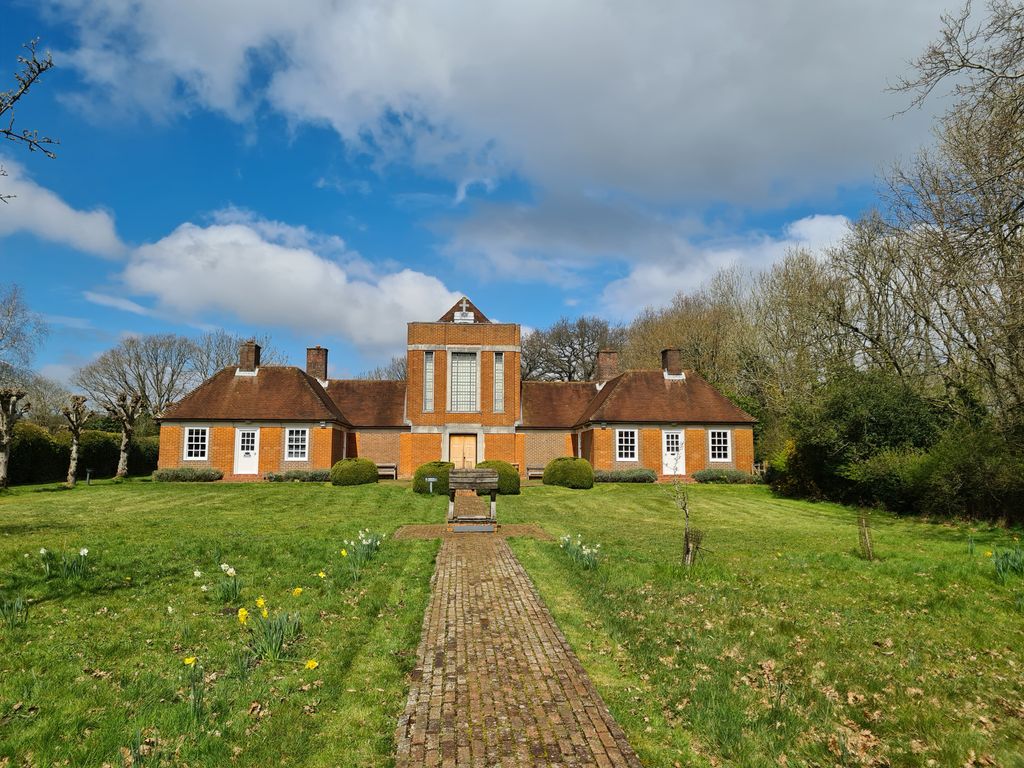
x: 247, y: 451
x: 673, y: 457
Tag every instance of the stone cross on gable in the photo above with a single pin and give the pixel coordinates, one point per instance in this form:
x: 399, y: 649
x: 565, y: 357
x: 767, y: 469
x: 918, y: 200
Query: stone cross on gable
x: 463, y: 303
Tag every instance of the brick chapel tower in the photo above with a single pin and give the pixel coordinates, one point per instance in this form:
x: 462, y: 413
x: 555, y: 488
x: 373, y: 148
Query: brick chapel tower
x: 463, y: 389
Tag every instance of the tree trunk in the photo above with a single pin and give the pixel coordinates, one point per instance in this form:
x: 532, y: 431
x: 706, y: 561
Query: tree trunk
x: 122, y: 462
x: 5, y: 452
x: 73, y: 464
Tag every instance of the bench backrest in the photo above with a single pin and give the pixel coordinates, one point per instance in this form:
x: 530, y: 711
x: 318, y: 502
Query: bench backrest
x: 473, y: 479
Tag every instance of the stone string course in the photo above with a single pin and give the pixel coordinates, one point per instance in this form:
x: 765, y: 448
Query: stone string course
x: 496, y: 683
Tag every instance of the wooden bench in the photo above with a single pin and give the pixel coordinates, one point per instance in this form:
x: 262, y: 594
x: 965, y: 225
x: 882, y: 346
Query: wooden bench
x: 389, y: 471
x: 474, y: 480
x: 534, y: 473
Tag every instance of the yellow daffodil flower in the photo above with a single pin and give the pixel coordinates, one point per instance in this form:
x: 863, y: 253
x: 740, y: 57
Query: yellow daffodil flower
x: 312, y: 664
x: 243, y: 616
x: 322, y: 575
x: 263, y: 612
x: 989, y: 553
x: 297, y: 591
x: 344, y: 553
x: 261, y: 602
x: 189, y: 661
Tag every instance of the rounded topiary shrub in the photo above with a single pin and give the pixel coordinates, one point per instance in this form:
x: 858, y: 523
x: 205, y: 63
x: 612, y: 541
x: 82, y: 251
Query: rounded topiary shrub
x: 569, y: 472
x: 438, y: 469
x: 508, y: 476
x: 354, y: 472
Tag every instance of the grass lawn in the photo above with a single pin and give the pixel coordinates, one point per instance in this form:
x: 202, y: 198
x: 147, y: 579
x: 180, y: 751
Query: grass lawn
x: 781, y: 646
x: 99, y: 668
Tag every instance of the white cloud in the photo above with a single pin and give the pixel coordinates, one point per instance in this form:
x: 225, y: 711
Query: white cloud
x: 655, y: 282
x: 268, y: 274
x: 665, y: 101
x: 116, y: 302
x: 40, y: 212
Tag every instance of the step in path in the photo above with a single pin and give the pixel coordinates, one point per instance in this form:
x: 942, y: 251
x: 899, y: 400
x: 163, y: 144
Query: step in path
x: 496, y: 683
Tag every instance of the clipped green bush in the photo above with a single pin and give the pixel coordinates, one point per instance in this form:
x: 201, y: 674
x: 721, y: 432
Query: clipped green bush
x: 724, y: 476
x: 625, y: 476
x: 354, y: 472
x: 188, y: 475
x: 299, y: 476
x: 438, y: 469
x: 569, y: 472
x: 36, y: 457
x: 508, y: 476
x: 892, y: 477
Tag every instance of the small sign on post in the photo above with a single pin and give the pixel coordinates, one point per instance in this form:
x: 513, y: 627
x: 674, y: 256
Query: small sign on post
x: 430, y: 483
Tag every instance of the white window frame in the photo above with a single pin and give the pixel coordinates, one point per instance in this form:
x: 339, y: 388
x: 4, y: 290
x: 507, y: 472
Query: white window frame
x: 636, y: 445
x: 428, y: 381
x: 499, y: 382
x: 206, y: 444
x: 287, y: 444
x: 451, y: 381
x: 728, y: 445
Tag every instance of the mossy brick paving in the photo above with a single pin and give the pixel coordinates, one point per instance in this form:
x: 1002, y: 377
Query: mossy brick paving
x: 496, y: 683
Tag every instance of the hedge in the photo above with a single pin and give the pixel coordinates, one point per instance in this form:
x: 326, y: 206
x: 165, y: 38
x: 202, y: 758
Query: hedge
x: 354, y: 472
x: 569, y: 472
x: 438, y: 469
x: 188, y: 475
x: 39, y: 457
x: 625, y: 476
x: 724, y: 476
x: 299, y: 476
x: 508, y: 476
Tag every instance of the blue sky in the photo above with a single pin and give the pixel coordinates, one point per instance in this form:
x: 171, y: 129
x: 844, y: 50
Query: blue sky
x: 326, y: 172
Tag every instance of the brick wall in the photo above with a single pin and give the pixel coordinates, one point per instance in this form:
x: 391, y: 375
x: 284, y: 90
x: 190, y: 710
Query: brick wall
x: 324, y: 444
x: 743, y: 448
x: 544, y: 445
x: 500, y: 446
x: 416, y: 449
x: 696, y: 450
x: 382, y: 446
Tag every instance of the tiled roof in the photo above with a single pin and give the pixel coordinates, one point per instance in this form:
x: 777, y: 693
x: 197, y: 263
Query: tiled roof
x: 449, y: 316
x: 370, y: 403
x: 647, y: 396
x: 275, y: 393
x: 631, y: 397
x: 552, y: 404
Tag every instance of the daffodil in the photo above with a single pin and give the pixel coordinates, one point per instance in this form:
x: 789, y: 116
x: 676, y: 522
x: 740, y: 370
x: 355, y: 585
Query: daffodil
x: 297, y: 591
x: 243, y: 616
x: 197, y: 574
x: 322, y: 575
x: 230, y: 572
x: 263, y: 613
x: 312, y: 664
x: 261, y: 602
x: 190, y: 661
x: 224, y: 567
x: 344, y: 553
x: 83, y: 551
x: 989, y: 553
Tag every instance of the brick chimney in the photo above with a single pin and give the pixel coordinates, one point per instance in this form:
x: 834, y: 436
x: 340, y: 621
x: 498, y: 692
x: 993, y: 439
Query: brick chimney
x: 672, y: 362
x: 249, y: 356
x: 316, y: 362
x: 607, y: 364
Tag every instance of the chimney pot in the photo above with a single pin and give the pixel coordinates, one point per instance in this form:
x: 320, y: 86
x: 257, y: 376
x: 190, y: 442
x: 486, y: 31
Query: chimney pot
x: 249, y: 356
x: 316, y: 362
x: 672, y: 361
x: 607, y: 364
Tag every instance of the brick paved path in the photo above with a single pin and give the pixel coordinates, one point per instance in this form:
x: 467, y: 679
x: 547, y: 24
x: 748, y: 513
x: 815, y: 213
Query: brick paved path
x: 496, y: 683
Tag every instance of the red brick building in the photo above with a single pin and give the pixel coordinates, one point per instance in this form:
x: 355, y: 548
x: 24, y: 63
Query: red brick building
x: 463, y: 401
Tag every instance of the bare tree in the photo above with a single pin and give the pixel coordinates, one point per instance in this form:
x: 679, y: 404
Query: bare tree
x: 21, y: 330
x: 393, y: 370
x: 47, y: 398
x: 31, y: 69
x: 567, y: 351
x: 126, y: 409
x: 156, y: 367
x: 76, y: 414
x: 11, y: 410
x: 218, y: 349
